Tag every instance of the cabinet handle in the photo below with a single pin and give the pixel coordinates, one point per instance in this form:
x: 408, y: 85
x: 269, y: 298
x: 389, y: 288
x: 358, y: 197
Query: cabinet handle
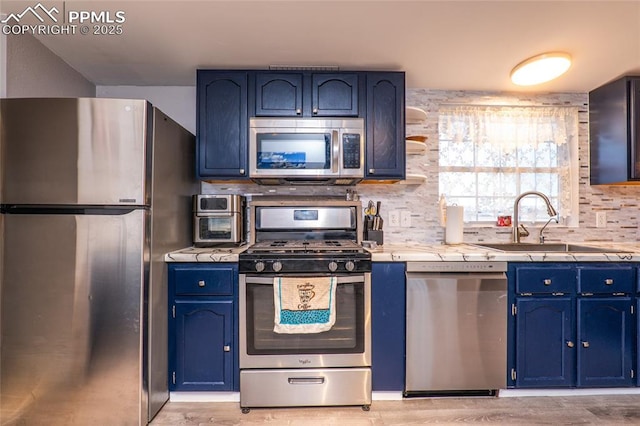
x: 315, y: 110
x: 241, y: 171
x: 226, y: 348
x: 608, y: 281
x: 546, y: 281
x: 298, y: 111
x: 372, y: 171
x: 201, y: 283
x: 570, y: 343
x: 585, y: 344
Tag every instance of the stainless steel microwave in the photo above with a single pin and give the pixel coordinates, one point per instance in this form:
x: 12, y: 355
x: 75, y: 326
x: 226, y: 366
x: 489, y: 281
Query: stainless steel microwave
x: 306, y: 150
x: 218, y: 219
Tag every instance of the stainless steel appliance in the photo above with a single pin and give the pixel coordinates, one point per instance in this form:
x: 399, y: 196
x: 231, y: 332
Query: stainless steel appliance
x: 218, y: 219
x: 306, y: 150
x: 305, y: 238
x: 456, y: 328
x: 94, y: 192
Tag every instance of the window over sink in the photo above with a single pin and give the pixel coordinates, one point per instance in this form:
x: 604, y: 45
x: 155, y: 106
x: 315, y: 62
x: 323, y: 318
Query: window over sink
x: 488, y: 155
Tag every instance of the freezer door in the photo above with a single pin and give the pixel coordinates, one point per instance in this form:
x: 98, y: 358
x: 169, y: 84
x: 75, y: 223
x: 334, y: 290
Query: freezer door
x: 82, y: 151
x: 73, y: 304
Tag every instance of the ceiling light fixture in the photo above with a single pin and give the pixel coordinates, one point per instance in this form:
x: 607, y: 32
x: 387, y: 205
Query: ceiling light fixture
x: 541, y: 68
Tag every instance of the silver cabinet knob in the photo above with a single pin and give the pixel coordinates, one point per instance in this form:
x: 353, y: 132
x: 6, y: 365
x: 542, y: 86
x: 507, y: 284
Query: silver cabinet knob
x: 570, y: 343
x: 226, y: 348
x: 298, y: 111
x: 608, y: 281
x: 201, y: 283
x: 547, y: 281
x: 241, y: 171
x: 372, y: 171
x: 315, y: 110
x: 585, y: 344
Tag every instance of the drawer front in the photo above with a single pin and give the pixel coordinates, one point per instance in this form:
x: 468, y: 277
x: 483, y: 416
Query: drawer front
x: 198, y: 281
x: 606, y: 280
x: 546, y: 280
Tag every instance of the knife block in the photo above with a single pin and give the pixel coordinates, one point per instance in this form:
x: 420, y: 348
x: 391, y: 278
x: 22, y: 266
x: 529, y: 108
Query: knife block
x: 377, y: 236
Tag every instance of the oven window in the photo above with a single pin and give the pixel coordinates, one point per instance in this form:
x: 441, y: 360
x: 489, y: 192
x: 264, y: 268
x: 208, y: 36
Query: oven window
x: 346, y: 336
x: 293, y: 151
x: 215, y: 228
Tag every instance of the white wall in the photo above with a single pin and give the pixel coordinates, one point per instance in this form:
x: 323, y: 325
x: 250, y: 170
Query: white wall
x: 178, y: 102
x: 32, y: 70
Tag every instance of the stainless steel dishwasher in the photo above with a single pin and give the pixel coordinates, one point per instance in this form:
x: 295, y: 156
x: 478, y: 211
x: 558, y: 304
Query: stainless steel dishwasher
x: 456, y: 328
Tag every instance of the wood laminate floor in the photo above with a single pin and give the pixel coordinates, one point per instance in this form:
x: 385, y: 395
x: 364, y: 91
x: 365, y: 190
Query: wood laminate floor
x: 552, y: 410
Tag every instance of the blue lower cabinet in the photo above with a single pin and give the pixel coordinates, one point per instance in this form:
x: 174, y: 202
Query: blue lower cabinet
x: 203, y: 327
x: 573, y: 324
x: 606, y: 342
x: 203, y: 336
x: 388, y: 290
x: 545, y: 352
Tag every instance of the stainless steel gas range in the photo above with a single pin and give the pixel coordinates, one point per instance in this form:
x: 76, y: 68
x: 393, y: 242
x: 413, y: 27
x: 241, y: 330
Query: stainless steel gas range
x: 305, y: 243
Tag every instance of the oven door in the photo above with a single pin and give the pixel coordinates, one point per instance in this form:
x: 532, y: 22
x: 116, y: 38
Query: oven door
x: 347, y: 344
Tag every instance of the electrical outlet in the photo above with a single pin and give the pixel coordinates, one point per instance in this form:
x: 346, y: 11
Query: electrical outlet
x: 601, y: 219
x: 394, y: 218
x: 405, y: 218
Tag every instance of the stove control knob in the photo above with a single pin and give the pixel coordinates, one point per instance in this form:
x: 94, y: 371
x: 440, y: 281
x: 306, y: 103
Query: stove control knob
x: 277, y: 266
x: 259, y: 266
x: 350, y: 265
x: 333, y: 266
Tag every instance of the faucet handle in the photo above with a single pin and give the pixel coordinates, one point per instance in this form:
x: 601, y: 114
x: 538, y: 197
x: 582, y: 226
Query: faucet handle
x: 522, y: 231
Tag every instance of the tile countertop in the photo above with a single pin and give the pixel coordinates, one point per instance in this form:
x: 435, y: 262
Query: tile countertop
x: 435, y: 252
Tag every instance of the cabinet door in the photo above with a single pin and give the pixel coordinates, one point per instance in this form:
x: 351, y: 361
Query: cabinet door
x: 203, y: 339
x: 278, y: 94
x: 385, y: 145
x: 334, y: 95
x: 387, y: 326
x: 605, y: 346
x: 545, y: 341
x: 222, y: 121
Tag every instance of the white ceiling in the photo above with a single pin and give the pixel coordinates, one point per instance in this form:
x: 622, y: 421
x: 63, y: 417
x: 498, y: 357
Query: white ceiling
x: 466, y: 45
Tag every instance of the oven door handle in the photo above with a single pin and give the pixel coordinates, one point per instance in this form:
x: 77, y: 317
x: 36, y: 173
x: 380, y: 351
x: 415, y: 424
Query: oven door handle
x: 306, y: 380
x: 252, y: 279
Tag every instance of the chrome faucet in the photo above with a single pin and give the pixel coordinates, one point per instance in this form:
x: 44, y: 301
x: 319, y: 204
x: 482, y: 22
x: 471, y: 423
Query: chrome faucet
x: 520, y: 230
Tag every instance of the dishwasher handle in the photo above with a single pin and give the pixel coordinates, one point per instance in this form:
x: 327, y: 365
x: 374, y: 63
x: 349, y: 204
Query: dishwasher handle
x: 458, y: 275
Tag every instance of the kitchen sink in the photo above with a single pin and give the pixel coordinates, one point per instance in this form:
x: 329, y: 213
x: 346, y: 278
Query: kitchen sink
x: 550, y: 247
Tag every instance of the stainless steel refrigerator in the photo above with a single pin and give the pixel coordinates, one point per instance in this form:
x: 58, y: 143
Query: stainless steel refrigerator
x: 93, y: 193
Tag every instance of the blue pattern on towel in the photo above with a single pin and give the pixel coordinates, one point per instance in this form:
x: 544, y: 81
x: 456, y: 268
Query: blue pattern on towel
x: 313, y: 316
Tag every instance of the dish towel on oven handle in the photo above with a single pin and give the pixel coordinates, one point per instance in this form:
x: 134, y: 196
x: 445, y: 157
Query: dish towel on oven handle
x: 304, y: 304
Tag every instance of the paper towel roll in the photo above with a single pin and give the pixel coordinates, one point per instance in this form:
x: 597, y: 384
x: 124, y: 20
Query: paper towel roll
x: 455, y: 225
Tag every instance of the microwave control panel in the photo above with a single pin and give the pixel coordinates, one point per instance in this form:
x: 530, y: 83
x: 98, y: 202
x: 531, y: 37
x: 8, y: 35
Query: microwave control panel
x: 351, y: 150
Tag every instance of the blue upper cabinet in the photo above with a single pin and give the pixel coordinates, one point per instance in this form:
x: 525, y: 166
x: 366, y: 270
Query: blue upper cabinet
x: 278, y: 94
x: 222, y: 124
x: 226, y: 99
x: 614, y: 132
x: 305, y: 94
x: 385, y: 148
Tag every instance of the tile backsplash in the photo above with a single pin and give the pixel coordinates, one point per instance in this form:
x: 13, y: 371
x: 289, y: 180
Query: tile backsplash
x: 620, y: 203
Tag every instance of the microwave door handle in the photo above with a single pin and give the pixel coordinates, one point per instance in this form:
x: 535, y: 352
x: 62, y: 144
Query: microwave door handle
x: 336, y: 150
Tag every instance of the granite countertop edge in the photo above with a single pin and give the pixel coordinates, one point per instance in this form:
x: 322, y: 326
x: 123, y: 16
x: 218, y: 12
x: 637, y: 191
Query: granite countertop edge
x: 434, y: 252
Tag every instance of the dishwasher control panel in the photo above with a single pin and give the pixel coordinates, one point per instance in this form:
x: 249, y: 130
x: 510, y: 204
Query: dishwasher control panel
x: 456, y: 266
